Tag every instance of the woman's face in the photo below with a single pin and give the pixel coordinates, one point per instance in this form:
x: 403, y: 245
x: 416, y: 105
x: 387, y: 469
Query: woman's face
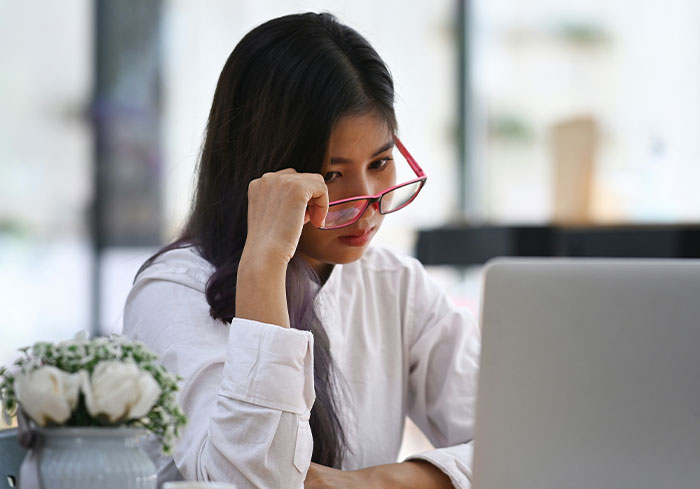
x: 359, y: 162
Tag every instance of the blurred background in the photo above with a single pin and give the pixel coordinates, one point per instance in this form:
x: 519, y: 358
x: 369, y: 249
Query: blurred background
x: 551, y: 117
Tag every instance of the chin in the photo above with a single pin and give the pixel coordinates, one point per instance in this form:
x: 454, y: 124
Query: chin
x: 349, y: 256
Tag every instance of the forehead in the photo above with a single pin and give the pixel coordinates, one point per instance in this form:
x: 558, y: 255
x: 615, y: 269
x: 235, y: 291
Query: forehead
x: 359, y: 135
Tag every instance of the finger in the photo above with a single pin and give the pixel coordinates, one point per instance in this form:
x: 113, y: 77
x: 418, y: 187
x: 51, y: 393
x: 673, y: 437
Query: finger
x: 317, y: 207
x: 316, y: 215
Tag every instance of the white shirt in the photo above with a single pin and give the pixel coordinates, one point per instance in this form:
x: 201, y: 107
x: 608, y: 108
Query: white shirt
x: 401, y: 346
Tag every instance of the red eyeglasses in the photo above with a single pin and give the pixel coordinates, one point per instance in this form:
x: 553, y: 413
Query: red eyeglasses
x: 345, y: 212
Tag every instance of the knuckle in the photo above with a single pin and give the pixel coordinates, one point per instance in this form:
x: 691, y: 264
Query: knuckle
x: 314, y: 180
x: 264, y: 180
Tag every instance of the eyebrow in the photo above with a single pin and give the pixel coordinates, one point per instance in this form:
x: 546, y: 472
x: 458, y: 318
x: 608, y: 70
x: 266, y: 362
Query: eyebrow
x: 387, y: 146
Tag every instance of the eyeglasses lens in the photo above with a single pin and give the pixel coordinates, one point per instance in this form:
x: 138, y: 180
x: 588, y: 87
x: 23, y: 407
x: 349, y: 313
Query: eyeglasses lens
x: 340, y: 214
x: 398, y: 198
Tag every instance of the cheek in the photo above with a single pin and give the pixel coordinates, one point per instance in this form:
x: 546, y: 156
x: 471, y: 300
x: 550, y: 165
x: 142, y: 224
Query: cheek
x: 313, y: 239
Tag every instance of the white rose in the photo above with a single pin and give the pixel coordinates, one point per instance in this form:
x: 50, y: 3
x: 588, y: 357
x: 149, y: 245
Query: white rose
x: 47, y: 394
x: 81, y: 337
x: 120, y: 391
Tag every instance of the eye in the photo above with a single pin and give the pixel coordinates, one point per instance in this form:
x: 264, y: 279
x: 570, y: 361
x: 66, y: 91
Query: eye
x: 330, y: 176
x: 380, y: 164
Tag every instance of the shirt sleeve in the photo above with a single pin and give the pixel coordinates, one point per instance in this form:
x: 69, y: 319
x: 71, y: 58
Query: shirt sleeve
x: 444, y: 353
x: 247, y: 392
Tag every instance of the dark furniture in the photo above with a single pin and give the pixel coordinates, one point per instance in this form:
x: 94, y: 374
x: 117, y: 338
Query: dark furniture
x: 474, y: 245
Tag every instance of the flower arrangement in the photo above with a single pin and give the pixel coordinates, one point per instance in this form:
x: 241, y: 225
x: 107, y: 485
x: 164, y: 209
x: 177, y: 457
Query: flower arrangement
x: 102, y: 382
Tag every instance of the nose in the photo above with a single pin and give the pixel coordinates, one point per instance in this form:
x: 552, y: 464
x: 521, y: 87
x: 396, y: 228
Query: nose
x: 366, y: 186
x: 362, y: 186
x: 369, y: 212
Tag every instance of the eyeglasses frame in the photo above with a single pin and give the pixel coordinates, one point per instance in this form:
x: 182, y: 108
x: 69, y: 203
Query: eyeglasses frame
x: 376, y: 199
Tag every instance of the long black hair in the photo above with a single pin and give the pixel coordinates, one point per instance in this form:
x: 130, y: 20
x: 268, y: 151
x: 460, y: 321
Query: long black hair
x: 280, y: 93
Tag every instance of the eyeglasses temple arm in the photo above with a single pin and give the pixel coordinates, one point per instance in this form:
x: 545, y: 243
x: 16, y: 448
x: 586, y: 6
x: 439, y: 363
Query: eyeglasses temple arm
x: 411, y: 161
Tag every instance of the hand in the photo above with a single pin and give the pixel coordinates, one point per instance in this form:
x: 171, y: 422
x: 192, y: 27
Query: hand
x: 322, y: 477
x: 279, y: 204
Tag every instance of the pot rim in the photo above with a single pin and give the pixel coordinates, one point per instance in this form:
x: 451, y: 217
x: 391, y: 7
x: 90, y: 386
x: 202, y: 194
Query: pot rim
x: 89, y: 431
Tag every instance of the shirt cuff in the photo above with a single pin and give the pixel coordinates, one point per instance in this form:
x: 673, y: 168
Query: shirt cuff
x: 269, y: 366
x: 455, y: 461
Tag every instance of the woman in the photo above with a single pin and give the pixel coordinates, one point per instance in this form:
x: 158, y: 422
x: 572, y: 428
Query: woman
x: 301, y: 348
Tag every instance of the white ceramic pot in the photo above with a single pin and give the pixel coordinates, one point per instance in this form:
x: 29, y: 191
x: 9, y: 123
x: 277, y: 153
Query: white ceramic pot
x: 197, y: 485
x: 89, y: 458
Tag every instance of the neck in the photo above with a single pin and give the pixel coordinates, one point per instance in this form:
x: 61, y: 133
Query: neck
x: 323, y: 270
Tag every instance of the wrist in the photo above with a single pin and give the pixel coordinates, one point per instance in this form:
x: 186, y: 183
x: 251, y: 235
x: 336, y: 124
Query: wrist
x: 260, y: 289
x: 261, y: 261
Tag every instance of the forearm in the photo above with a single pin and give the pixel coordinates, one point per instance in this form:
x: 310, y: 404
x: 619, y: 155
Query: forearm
x: 248, y: 412
x: 251, y: 446
x: 260, y: 290
x: 414, y: 474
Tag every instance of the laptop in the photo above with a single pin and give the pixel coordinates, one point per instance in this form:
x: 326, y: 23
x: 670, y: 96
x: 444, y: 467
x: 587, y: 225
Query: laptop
x: 590, y: 375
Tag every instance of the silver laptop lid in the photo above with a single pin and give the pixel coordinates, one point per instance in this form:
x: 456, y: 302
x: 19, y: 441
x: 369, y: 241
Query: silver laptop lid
x: 590, y: 375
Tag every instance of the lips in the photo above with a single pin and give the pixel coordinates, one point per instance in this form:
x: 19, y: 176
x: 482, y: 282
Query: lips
x: 357, y: 239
